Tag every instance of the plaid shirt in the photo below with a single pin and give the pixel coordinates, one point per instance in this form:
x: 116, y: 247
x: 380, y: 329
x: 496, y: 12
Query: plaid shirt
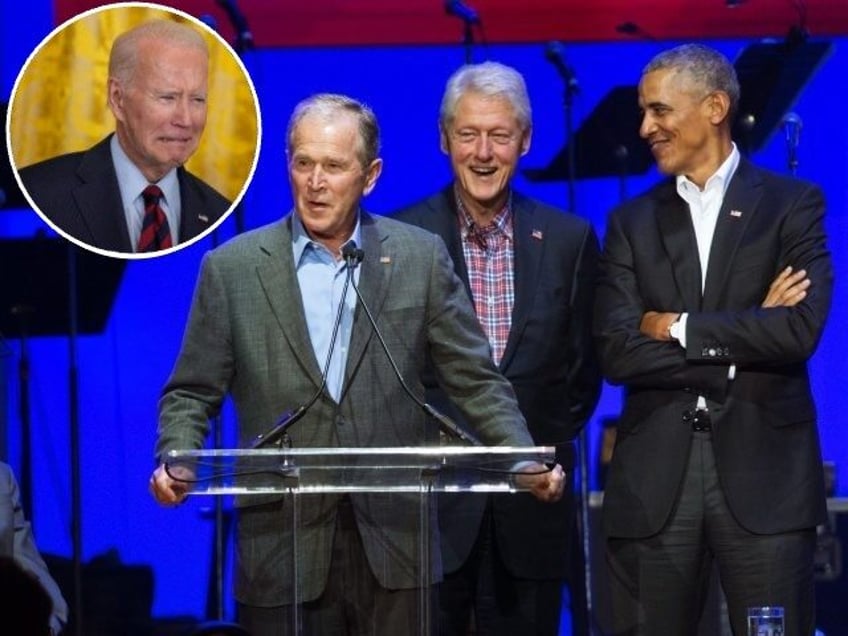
x: 488, y: 253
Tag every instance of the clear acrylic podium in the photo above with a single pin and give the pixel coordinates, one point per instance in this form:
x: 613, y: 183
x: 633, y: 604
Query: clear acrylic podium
x: 304, y: 475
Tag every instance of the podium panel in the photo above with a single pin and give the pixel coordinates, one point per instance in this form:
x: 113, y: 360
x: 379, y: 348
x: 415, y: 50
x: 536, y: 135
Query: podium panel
x: 294, y: 496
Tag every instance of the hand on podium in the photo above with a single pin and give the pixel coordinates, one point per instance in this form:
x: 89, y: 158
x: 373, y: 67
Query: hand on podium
x: 544, y: 482
x: 170, y: 485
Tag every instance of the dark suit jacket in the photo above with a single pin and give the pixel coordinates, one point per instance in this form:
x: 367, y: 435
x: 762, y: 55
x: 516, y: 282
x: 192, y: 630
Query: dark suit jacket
x: 16, y: 541
x: 764, y: 421
x: 247, y: 336
x: 79, y: 193
x: 548, y: 360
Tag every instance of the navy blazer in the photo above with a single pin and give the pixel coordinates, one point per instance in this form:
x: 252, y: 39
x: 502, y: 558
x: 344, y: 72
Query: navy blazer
x: 550, y: 363
x: 764, y: 421
x: 79, y: 193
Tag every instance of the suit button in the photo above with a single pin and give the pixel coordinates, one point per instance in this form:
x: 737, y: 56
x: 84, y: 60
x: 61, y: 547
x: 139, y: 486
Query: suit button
x: 340, y: 421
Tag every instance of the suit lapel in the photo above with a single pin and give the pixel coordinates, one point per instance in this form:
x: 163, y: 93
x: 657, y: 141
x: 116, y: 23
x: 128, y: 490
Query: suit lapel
x: 278, y: 279
x: 678, y: 238
x: 374, y: 285
x: 528, y: 251
x: 98, y: 200
x: 737, y: 209
x: 194, y: 218
x: 446, y: 224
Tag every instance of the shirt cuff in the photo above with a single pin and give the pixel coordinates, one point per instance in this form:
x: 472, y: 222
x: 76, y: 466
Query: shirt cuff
x: 682, y: 320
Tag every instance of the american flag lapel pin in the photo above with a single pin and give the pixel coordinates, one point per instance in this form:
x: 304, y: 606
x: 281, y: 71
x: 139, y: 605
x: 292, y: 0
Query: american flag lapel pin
x: 385, y: 260
x: 736, y: 213
x: 536, y: 234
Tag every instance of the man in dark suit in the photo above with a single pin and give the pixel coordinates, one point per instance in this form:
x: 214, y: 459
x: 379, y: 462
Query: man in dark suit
x: 529, y: 270
x: 714, y: 290
x: 130, y: 192
x: 260, y: 329
x: 17, y: 543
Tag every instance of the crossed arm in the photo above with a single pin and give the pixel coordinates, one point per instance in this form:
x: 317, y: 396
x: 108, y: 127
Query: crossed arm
x: 787, y: 290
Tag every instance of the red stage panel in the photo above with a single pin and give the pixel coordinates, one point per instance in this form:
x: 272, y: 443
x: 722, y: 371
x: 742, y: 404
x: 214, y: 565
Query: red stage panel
x: 354, y: 22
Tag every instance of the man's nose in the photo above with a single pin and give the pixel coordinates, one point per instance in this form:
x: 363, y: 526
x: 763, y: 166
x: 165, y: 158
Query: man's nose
x: 647, y: 126
x: 483, y: 146
x: 182, y: 112
x: 315, y: 179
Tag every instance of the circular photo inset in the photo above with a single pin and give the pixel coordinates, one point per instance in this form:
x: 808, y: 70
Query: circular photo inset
x: 133, y: 130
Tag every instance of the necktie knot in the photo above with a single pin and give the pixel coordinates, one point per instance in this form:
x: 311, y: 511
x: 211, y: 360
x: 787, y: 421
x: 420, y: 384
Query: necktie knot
x: 151, y: 195
x: 155, y: 231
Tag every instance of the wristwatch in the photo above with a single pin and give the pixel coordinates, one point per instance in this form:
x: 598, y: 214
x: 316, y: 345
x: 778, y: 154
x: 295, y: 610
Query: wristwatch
x: 674, y: 329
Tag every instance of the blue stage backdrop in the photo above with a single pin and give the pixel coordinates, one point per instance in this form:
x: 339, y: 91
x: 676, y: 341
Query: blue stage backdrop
x: 122, y: 370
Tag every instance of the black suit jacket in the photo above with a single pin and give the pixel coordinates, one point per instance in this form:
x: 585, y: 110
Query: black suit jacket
x: 764, y: 421
x: 549, y: 361
x: 79, y: 193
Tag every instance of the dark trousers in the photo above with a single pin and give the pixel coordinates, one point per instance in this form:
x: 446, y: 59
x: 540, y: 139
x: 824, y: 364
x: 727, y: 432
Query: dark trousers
x: 502, y: 604
x: 659, y: 584
x: 352, y: 604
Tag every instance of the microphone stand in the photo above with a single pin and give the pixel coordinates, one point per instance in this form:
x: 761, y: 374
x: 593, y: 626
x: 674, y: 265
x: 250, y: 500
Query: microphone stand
x: 570, y: 89
x: 469, y: 18
x: 468, y: 41
x: 24, y: 410
x: 353, y: 256
x: 621, y: 154
x: 278, y: 434
x: 76, y: 476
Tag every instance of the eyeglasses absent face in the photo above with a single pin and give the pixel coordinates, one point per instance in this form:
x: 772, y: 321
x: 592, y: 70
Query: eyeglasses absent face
x: 484, y: 142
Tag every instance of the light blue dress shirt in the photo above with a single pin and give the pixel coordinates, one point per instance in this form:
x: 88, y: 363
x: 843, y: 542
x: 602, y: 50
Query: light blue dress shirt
x: 322, y: 279
x: 131, y: 184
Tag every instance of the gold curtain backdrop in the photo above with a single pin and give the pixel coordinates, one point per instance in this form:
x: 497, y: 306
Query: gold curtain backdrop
x: 59, y: 103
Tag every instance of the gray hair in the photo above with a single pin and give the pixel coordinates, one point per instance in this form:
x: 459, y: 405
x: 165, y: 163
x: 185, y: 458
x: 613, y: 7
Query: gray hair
x: 329, y: 104
x: 124, y: 56
x: 490, y: 79
x: 707, y: 68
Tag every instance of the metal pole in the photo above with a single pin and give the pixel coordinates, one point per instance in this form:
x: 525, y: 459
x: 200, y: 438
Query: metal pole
x: 73, y: 399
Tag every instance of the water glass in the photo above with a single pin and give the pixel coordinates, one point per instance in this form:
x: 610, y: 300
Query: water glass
x: 765, y: 621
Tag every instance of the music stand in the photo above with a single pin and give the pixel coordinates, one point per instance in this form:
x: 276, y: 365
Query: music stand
x: 42, y: 298
x: 607, y: 144
x: 771, y: 76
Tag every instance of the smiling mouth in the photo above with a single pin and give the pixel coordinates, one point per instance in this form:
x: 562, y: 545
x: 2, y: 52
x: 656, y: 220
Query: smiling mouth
x: 483, y: 171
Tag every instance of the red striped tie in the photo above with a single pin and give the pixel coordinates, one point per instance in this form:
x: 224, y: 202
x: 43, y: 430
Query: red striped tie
x: 155, y: 231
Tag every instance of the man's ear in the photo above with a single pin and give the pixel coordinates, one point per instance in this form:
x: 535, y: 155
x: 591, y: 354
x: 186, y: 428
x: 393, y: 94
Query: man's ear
x: 372, y: 174
x: 115, y: 98
x: 526, y: 137
x: 444, y: 144
x: 718, y: 106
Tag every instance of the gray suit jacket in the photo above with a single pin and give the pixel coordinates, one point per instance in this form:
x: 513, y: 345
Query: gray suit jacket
x: 16, y: 541
x: 79, y: 193
x: 247, y: 336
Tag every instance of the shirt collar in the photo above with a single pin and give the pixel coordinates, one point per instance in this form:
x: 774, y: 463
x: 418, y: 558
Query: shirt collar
x: 131, y: 181
x: 720, y: 179
x: 301, y: 240
x: 501, y: 221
